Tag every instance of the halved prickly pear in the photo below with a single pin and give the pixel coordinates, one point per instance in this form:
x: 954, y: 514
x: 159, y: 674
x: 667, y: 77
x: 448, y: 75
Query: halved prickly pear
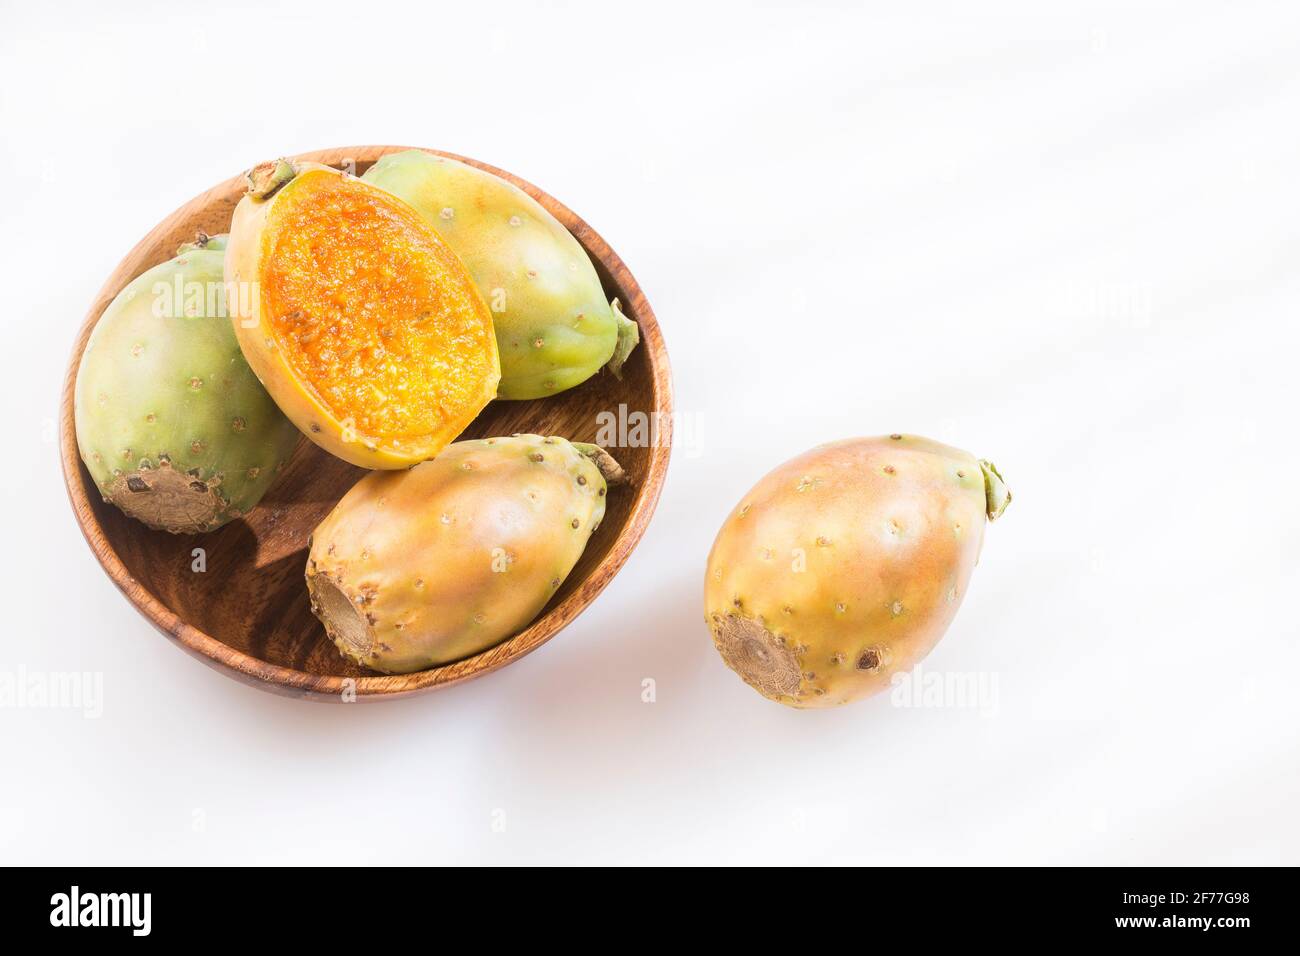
x: 171, y: 422
x: 417, y: 568
x: 361, y: 322
x: 554, y: 326
x: 845, y: 565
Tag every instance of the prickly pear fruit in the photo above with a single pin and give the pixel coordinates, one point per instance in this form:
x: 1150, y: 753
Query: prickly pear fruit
x: 846, y: 565
x: 361, y: 322
x: 171, y: 422
x: 418, y: 568
x: 554, y: 327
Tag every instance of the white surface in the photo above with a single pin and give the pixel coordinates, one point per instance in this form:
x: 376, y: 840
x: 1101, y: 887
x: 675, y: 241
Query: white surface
x: 1065, y: 241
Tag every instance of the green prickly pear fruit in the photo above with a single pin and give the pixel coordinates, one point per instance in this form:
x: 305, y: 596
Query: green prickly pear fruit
x: 171, y: 422
x: 421, y: 567
x: 554, y: 327
x: 845, y: 565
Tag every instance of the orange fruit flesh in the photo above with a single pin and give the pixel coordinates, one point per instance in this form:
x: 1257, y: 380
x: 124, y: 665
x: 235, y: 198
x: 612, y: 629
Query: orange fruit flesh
x: 372, y: 311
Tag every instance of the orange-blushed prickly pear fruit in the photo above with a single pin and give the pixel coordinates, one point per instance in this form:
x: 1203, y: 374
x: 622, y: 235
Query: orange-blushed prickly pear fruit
x: 555, y: 328
x: 361, y: 322
x: 845, y: 565
x: 422, y: 567
x: 172, y: 424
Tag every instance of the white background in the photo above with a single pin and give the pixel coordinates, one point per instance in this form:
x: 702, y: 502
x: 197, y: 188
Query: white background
x: 1064, y: 240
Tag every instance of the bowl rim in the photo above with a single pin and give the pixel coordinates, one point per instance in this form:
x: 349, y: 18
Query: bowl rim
x: 289, y: 681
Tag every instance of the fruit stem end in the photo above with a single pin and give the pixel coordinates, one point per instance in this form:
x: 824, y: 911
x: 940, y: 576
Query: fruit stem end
x: 997, y: 494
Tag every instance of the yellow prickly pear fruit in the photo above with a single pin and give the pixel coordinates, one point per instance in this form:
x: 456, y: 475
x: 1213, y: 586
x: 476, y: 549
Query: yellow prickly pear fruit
x: 845, y: 565
x: 418, y: 568
x: 554, y: 326
x: 361, y: 322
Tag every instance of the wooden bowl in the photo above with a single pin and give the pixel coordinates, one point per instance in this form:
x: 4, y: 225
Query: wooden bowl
x: 247, y: 615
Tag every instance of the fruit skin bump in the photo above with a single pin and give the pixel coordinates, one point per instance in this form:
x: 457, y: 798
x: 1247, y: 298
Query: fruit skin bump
x: 845, y: 565
x: 422, y: 567
x: 554, y: 327
x: 172, y: 425
x: 329, y: 267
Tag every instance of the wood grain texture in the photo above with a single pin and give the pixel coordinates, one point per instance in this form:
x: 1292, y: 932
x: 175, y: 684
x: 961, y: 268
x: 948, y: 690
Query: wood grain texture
x: 247, y: 614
